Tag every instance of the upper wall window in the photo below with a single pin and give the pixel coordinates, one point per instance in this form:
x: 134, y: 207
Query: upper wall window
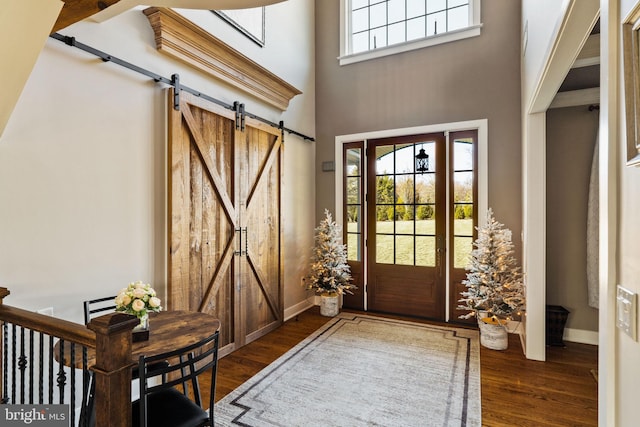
x: 374, y: 28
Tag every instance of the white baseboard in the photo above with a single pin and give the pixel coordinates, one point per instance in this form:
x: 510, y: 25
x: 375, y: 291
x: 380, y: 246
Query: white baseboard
x: 573, y: 335
x: 298, y: 308
x: 580, y: 336
x: 294, y: 310
x: 315, y: 300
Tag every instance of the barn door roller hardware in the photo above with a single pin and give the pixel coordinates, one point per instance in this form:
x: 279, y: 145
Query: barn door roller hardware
x: 175, y: 81
x: 240, y: 115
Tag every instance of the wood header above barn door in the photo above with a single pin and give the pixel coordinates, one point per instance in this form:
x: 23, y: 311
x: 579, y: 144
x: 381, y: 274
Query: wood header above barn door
x: 180, y: 38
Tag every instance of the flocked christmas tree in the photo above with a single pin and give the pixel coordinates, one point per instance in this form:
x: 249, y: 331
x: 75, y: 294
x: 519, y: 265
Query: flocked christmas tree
x: 494, y: 282
x: 329, y: 271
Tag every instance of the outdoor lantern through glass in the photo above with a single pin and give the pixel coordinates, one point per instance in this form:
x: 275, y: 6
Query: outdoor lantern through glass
x: 422, y: 161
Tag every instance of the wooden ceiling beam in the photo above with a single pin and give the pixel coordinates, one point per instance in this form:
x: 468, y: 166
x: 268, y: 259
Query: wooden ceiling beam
x: 77, y: 10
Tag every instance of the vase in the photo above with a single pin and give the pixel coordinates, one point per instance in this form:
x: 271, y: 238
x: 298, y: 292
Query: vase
x: 493, y: 334
x: 141, y: 331
x: 329, y: 304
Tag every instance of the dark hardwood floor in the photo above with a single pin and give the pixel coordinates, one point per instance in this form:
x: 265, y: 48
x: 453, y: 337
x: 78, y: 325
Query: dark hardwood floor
x: 515, y: 391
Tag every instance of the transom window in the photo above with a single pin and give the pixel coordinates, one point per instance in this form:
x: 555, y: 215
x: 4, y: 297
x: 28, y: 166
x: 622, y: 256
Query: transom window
x: 375, y: 28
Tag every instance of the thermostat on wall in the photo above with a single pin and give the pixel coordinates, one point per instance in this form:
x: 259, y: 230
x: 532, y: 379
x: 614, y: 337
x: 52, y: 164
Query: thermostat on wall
x: 328, y: 166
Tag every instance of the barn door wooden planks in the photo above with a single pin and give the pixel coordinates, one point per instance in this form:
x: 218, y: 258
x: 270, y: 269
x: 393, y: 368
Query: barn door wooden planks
x: 225, y: 253
x: 260, y: 161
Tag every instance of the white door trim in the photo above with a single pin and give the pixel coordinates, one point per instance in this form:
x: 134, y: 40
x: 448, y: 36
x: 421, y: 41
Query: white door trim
x: 483, y: 162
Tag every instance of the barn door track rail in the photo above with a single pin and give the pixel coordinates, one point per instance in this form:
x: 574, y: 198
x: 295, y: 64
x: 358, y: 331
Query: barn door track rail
x: 174, y: 81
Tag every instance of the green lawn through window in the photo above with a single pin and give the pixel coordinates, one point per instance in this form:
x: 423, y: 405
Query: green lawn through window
x: 425, y: 242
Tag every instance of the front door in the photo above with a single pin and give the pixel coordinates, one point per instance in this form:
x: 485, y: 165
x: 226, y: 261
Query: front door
x: 406, y: 219
x: 410, y: 212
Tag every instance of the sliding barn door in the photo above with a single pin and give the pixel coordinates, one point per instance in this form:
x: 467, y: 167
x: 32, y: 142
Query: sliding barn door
x: 224, y: 220
x: 259, y: 159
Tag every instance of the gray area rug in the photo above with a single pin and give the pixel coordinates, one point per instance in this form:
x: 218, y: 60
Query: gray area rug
x: 360, y: 370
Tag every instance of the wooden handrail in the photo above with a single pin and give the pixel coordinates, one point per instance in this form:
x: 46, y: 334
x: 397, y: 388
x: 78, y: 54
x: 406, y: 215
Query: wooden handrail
x: 60, y: 328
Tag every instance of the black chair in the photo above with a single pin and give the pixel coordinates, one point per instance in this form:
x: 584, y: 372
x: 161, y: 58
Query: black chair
x: 94, y: 308
x: 98, y: 306
x: 162, y: 403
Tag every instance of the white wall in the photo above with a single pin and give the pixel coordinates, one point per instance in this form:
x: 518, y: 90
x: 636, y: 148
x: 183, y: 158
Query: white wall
x: 83, y: 159
x: 626, y: 351
x: 618, y: 370
x: 553, y: 34
x: 540, y: 23
x: 18, y: 58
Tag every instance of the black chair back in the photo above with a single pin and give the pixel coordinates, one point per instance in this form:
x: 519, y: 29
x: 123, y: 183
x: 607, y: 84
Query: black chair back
x: 99, y: 306
x: 161, y: 403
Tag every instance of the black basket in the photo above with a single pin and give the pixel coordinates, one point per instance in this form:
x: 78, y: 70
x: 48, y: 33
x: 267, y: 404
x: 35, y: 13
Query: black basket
x: 556, y: 320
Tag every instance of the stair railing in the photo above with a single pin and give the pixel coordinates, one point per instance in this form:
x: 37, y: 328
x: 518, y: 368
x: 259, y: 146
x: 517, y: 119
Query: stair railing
x: 48, y: 361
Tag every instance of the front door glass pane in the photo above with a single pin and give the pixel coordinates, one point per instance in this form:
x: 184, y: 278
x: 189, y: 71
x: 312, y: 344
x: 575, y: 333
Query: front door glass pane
x: 405, y: 252
x: 405, y: 204
x: 463, y: 189
x: 353, y: 206
x: 384, y: 249
x: 462, y: 247
x: 425, y: 251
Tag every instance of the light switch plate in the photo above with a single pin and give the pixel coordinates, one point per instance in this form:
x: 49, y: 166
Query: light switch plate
x: 626, y: 311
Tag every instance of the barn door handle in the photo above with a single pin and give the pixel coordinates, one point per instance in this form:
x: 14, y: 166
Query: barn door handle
x: 239, y: 245
x: 242, y: 251
x: 440, y: 252
x: 246, y: 241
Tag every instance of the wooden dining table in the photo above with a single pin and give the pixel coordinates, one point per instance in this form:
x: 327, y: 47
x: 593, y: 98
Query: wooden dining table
x: 168, y: 330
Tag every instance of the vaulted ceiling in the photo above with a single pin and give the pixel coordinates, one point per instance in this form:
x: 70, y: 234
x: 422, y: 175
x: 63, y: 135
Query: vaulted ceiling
x: 26, y: 25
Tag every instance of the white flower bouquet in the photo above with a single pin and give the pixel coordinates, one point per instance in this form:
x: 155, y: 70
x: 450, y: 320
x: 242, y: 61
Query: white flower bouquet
x: 138, y: 299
